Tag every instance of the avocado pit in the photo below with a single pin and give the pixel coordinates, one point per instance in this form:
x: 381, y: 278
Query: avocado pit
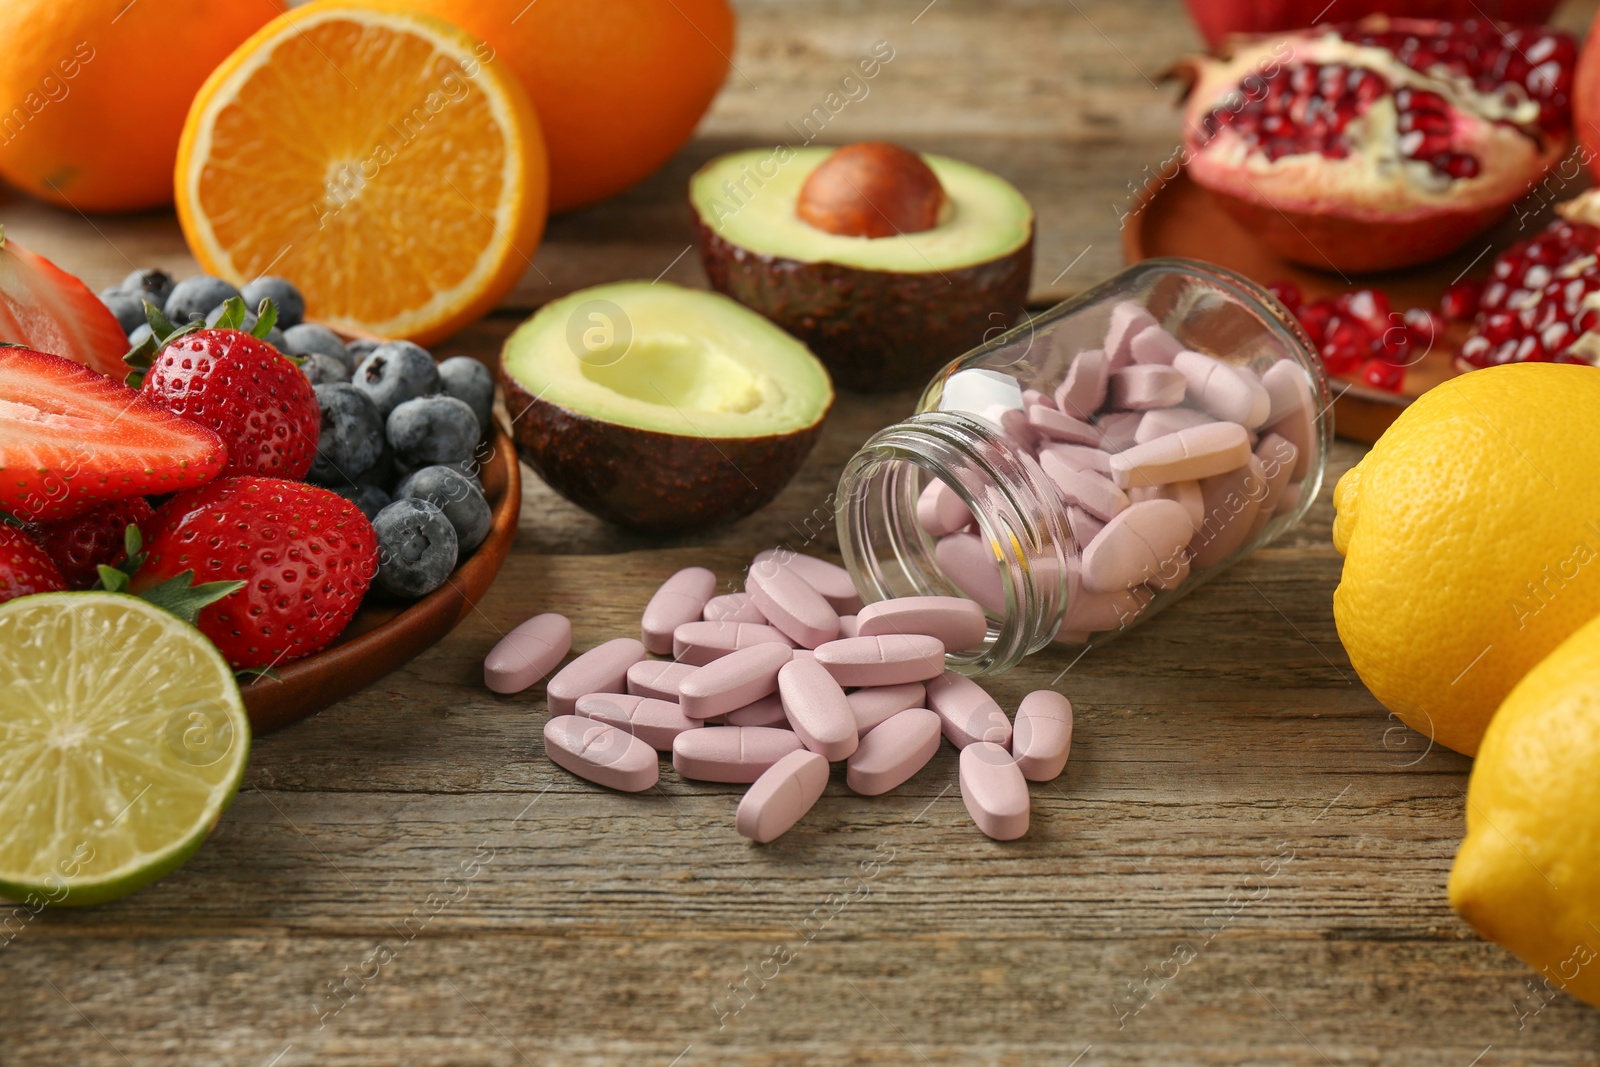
x: 872, y: 189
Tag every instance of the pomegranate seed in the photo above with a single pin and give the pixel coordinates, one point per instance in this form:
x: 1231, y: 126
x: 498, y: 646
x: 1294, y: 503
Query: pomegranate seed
x: 1288, y: 294
x: 1346, y: 346
x: 1460, y: 301
x: 1381, y: 374
x: 1500, y: 326
x: 1315, y: 318
x: 1367, y: 305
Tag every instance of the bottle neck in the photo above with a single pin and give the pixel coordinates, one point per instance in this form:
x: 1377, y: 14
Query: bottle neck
x: 1020, y: 523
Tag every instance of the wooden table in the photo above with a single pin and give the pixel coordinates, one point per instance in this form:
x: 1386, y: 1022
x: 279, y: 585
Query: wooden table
x: 1244, y: 863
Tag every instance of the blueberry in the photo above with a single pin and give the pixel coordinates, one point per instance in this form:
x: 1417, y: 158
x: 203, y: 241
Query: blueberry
x: 309, y: 337
x: 291, y: 305
x: 432, y: 429
x: 127, y: 307
x: 154, y: 285
x: 351, y: 438
x: 360, y: 349
x: 457, y: 496
x: 369, y: 498
x: 397, y: 371
x: 467, y: 468
x: 192, y: 298
x: 466, y: 379
x: 324, y: 370
x: 416, y: 548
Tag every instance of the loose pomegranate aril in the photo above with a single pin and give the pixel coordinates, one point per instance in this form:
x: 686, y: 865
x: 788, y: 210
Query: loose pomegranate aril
x: 1288, y: 294
x: 1381, y: 374
x: 1460, y: 301
x: 1347, y: 344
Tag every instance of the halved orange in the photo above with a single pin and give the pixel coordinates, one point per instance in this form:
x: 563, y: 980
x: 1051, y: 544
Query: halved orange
x: 382, y: 160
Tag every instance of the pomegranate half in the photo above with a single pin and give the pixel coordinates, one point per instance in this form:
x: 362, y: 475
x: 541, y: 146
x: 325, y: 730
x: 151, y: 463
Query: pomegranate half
x: 1379, y: 144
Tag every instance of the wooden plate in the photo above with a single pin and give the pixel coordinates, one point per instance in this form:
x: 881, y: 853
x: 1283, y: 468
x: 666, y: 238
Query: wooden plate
x: 1179, y: 218
x: 383, y: 637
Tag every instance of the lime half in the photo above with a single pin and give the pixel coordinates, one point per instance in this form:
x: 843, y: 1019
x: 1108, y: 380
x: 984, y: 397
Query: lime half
x: 122, y: 739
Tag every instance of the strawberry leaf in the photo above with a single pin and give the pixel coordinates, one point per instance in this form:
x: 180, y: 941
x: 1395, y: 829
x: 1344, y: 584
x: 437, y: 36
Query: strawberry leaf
x: 183, y: 598
x: 160, y: 325
x: 232, y: 317
x: 266, y: 319
x: 162, y: 333
x: 112, y: 580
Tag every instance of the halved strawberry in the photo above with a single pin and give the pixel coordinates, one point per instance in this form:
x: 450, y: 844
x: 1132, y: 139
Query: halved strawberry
x: 24, y: 567
x: 45, y: 308
x: 71, y: 439
x: 306, y: 556
x: 82, y: 545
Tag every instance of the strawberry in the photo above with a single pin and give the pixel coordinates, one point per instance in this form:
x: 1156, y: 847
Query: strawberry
x: 72, y: 439
x: 306, y: 556
x: 80, y: 546
x: 24, y: 567
x: 252, y: 395
x: 45, y: 308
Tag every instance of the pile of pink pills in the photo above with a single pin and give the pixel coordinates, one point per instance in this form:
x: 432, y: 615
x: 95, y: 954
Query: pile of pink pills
x: 769, y: 686
x: 1166, y: 461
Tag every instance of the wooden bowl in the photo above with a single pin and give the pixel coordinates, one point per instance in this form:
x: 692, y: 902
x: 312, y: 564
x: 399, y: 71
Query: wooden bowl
x: 385, y: 636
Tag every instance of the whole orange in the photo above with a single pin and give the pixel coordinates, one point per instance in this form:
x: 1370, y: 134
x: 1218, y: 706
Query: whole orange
x: 95, y: 92
x: 619, y: 86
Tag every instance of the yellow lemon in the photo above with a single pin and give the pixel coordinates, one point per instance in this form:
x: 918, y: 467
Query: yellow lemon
x: 1528, y: 874
x: 1471, y: 537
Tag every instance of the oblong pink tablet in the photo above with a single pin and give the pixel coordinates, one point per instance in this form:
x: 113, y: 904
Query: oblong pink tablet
x: 1260, y: 399
x: 655, y: 722
x: 732, y: 607
x: 600, y: 753
x: 1094, y: 493
x: 791, y: 605
x: 1083, y: 387
x: 1153, y: 344
x: 734, y: 680
x: 602, y: 669
x: 967, y: 713
x: 1084, y: 526
x: 957, y: 622
x: 781, y: 796
x: 829, y: 579
x: 874, y: 704
x: 1042, y: 737
x: 1217, y: 388
x: 698, y: 643
x: 1127, y: 321
x: 1198, y: 452
x: 940, y: 510
x: 1135, y: 545
x: 1117, y: 430
x: 731, y: 753
x: 1057, y: 425
x: 900, y: 747
x: 680, y: 599
x: 1080, y: 457
x: 994, y: 791
x: 1162, y: 421
x: 884, y: 660
x: 1089, y: 612
x: 1186, y: 493
x: 527, y: 653
x: 1232, y: 500
x: 658, y: 678
x: 1144, y: 386
x: 1292, y: 414
x: 768, y: 711
x: 969, y: 562
x: 817, y: 709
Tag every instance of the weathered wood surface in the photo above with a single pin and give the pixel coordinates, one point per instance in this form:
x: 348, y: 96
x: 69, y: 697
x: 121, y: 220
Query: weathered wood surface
x: 1243, y: 834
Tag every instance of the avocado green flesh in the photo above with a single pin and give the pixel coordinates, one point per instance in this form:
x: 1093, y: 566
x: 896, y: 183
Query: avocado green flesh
x: 748, y: 199
x: 677, y: 361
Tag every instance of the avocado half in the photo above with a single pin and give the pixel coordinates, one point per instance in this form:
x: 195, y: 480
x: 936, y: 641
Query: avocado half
x: 661, y: 408
x: 882, y: 312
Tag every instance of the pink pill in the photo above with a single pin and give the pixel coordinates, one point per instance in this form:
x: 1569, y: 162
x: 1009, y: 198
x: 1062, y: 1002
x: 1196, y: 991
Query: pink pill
x: 698, y: 643
x: 527, y: 653
x: 791, y: 605
x: 1079, y: 457
x: 1056, y: 425
x: 1186, y: 493
x: 658, y: 678
x: 603, y: 669
x: 1198, y: 452
x: 1065, y: 636
x: 1291, y: 497
x: 1232, y: 500
x: 1031, y: 397
x: 1260, y: 399
x: 957, y: 622
x: 732, y: 607
x: 680, y: 599
x: 1043, y: 736
x: 655, y: 722
x: 884, y: 660
x: 781, y: 796
x: 600, y: 753
x: 1089, y: 612
x: 1084, y: 526
x: 1173, y: 572
x: 1014, y: 424
x: 1217, y: 388
x: 731, y: 753
x: 734, y: 680
x: 1154, y: 345
x: 849, y: 626
x: 1092, y: 492
x: 967, y: 713
x: 1083, y: 387
x: 1127, y: 321
x: 1277, y: 458
x: 768, y: 711
x: 994, y: 791
x: 969, y: 562
x: 818, y: 711
x: 1292, y: 414
x: 829, y: 579
x: 891, y: 754
x: 1162, y: 421
x: 874, y: 704
x: 1144, y: 386
x: 940, y: 510
x: 1117, y: 430
x: 1135, y: 545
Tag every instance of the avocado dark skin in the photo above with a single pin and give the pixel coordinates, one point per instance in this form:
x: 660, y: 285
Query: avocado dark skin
x: 875, y: 330
x: 649, y: 481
